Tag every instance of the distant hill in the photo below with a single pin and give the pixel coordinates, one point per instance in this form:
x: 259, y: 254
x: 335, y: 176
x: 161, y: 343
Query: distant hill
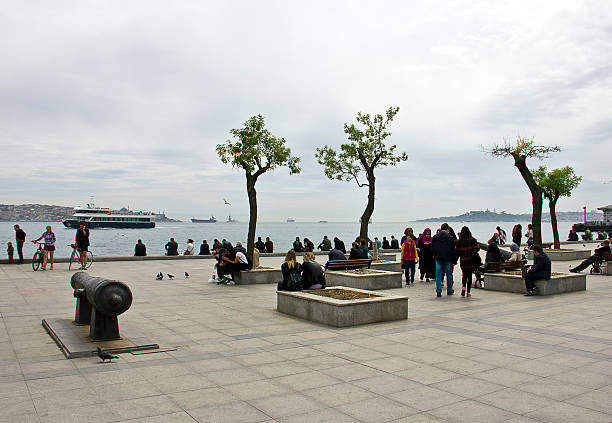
x: 492, y: 216
x: 47, y: 213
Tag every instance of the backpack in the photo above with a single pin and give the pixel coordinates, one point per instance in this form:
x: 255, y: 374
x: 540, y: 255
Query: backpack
x: 295, y: 282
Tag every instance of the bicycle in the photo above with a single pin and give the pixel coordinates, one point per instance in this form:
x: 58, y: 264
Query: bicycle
x: 37, y: 259
x: 75, y: 256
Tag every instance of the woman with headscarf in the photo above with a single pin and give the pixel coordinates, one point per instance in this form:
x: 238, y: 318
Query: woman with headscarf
x: 427, y: 265
x: 407, y: 231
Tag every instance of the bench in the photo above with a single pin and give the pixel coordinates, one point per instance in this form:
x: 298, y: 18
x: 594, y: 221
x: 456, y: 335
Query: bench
x: 498, y: 267
x: 547, y: 245
x: 348, y: 264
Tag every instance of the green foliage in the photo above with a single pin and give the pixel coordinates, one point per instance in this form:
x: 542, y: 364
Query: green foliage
x: 365, y: 151
x: 256, y: 150
x: 522, y: 149
x: 558, y: 182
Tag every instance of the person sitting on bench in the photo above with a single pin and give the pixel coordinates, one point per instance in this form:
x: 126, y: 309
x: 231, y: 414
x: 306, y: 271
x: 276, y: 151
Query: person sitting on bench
x: 516, y: 252
x: 597, y: 256
x: 539, y: 270
x: 336, y: 254
x: 313, y: 276
x: 493, y: 255
x: 356, y: 253
x: 572, y: 236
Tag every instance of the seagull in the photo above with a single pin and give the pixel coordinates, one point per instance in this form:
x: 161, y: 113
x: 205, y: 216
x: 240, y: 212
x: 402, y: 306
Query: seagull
x: 106, y: 356
x: 170, y: 276
x: 159, y: 276
x: 186, y: 275
x: 227, y: 202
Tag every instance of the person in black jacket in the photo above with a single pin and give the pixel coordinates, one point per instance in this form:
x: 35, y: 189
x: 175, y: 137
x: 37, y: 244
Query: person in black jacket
x: 443, y: 247
x: 140, y: 250
x: 20, y: 237
x: 335, y: 254
x: 572, y: 236
x: 539, y: 270
x: 298, y: 247
x: 339, y: 245
x: 597, y: 256
x: 204, y: 249
x: 82, y: 243
x: 313, y: 275
x: 172, y: 248
x: 260, y: 245
x: 385, y: 243
x: 394, y: 243
x: 291, y: 271
x: 356, y: 252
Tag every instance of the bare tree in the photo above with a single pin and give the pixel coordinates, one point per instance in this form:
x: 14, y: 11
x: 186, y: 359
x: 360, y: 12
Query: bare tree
x: 520, y: 151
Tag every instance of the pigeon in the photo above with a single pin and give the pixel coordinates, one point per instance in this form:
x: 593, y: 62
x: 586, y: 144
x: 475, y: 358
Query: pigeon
x: 159, y: 276
x: 227, y: 202
x: 106, y: 356
x: 170, y: 276
x: 186, y: 275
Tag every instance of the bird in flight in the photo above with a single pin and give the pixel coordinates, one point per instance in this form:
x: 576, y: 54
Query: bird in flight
x: 106, y: 356
x: 227, y: 202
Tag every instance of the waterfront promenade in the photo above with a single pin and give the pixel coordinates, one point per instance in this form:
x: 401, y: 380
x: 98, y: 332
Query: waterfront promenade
x: 494, y: 357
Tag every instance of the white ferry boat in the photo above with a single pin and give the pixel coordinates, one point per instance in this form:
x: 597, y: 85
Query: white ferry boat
x: 102, y: 217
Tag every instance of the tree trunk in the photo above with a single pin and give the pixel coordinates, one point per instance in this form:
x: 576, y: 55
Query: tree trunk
x: 552, y: 205
x: 369, y: 210
x: 536, y: 198
x: 252, y: 215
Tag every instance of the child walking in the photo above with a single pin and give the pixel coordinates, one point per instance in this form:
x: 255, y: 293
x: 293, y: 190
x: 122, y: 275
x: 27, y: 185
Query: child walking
x: 409, y: 258
x: 10, y: 251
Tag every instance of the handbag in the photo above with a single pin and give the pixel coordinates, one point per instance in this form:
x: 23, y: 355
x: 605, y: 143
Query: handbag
x: 295, y: 282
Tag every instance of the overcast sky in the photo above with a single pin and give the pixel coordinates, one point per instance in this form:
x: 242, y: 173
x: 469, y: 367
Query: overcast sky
x: 126, y: 100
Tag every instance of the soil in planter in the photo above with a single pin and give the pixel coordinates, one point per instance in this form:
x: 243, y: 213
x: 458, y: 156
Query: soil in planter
x: 262, y: 267
x: 520, y: 274
x: 341, y: 294
x: 362, y: 271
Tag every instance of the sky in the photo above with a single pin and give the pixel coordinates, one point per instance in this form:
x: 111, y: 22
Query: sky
x: 126, y: 101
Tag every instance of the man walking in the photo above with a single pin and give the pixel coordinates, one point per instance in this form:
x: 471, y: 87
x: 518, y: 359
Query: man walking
x: 443, y: 247
x: 20, y: 237
x: 539, y: 270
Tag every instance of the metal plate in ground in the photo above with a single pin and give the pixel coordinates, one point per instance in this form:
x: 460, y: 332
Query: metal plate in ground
x: 74, y: 340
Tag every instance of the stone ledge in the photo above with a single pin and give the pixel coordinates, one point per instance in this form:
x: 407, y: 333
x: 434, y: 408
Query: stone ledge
x: 343, y: 313
x: 568, y: 255
x: 382, y: 279
x: 557, y: 284
x: 257, y: 276
x: 391, y: 266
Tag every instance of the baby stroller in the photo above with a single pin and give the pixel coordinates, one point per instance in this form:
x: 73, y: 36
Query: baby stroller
x: 596, y: 266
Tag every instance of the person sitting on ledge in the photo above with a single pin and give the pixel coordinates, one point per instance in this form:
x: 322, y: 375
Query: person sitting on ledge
x: 572, y: 236
x: 493, y: 254
x: 394, y: 243
x: 363, y: 246
x: 516, y: 252
x: 172, y: 248
x: 313, y: 275
x: 339, y: 245
x: 260, y: 245
x: 356, y: 252
x: 601, y: 235
x: 269, y: 245
x: 385, y: 243
x: 204, y: 249
x: 240, y: 248
x: 190, y: 248
x: 336, y: 254
x: 597, y: 256
x: 539, y: 270
x: 325, y: 245
x: 239, y: 262
x: 140, y: 250
x: 291, y: 270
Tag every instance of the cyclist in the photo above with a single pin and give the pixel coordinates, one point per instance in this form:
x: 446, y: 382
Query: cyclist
x: 82, y: 243
x: 49, y: 248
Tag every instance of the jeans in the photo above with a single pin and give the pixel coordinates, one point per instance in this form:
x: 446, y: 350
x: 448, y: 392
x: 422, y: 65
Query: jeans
x: 20, y: 251
x: 409, y: 270
x: 444, y: 267
x: 530, y: 278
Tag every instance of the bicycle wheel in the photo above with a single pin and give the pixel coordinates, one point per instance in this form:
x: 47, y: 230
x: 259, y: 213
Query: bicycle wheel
x: 74, y: 257
x: 37, y: 260
x: 89, y: 259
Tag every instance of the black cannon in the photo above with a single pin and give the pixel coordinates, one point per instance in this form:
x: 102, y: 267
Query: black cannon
x: 99, y: 302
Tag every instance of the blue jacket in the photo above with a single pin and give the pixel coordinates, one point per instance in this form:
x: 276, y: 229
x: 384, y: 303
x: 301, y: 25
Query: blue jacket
x: 541, y: 266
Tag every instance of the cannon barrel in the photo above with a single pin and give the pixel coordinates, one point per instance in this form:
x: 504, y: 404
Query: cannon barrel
x: 109, y: 297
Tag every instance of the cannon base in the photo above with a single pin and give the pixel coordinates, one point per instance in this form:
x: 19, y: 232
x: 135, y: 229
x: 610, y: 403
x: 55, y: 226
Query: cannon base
x: 74, y: 340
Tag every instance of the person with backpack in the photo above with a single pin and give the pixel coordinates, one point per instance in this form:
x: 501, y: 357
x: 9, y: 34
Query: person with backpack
x: 291, y: 270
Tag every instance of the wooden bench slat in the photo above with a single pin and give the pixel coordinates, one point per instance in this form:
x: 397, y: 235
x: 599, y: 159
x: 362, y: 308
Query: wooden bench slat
x: 348, y: 264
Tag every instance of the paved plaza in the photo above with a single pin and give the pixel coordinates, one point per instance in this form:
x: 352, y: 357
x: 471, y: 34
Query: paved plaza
x: 494, y: 357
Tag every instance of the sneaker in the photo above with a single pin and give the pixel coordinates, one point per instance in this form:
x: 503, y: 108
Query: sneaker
x: 529, y: 294
x: 51, y: 268
x: 451, y: 292
x: 463, y: 292
x: 574, y: 271
x: 469, y: 295
x: 438, y: 294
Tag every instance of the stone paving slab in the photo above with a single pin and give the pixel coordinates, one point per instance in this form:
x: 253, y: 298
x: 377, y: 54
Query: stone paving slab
x: 493, y: 357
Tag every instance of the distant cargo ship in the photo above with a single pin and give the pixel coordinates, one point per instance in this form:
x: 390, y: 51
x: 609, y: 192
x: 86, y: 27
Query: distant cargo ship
x: 212, y: 219
x: 230, y: 220
x: 290, y: 220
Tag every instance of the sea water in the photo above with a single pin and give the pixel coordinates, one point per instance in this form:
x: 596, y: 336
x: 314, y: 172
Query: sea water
x: 120, y: 242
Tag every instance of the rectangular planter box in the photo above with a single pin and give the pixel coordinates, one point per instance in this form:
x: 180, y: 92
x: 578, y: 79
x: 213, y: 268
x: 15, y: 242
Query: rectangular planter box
x: 560, y: 255
x: 382, y: 256
x: 515, y: 283
x: 382, y: 279
x: 391, y: 266
x: 249, y: 277
x: 343, y: 313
